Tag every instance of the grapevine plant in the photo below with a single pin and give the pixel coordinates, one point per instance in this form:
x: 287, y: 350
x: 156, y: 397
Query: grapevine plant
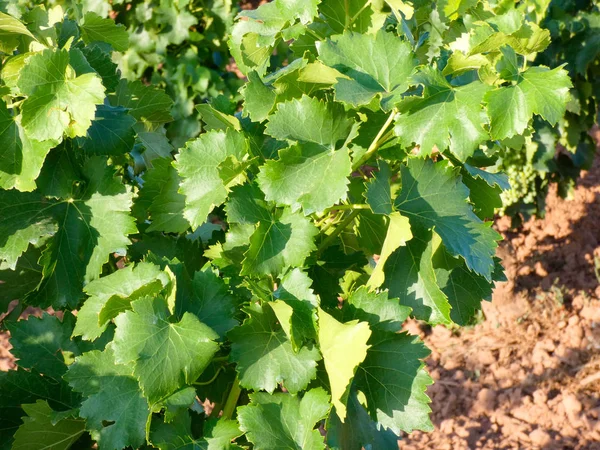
x: 557, y: 153
x: 250, y: 289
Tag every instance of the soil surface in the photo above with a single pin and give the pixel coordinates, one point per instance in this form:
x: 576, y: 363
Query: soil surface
x: 528, y: 375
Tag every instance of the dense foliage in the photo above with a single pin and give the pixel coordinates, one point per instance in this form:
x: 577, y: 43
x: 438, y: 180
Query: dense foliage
x: 269, y: 264
x: 557, y: 154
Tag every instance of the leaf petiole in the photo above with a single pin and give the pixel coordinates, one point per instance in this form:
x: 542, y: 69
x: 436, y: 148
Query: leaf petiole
x: 379, y: 139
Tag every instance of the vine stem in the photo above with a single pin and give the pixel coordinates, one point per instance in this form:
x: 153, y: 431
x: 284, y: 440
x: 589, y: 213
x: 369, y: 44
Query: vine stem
x: 232, y: 399
x: 376, y: 142
x: 352, y: 206
x: 329, y: 239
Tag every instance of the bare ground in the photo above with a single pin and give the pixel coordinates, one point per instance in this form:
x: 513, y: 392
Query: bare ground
x: 527, y: 376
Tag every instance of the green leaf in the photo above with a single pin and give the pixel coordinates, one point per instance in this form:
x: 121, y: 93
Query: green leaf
x: 247, y: 205
x: 210, y: 301
x: 90, y: 229
x: 155, y: 144
x: 58, y: 103
x: 307, y: 175
x: 309, y: 120
x: 465, y: 290
x: 95, y: 28
x: 433, y: 196
x: 354, y: 15
x: 124, y: 284
x: 22, y: 158
x: 165, y: 355
x: 453, y: 9
x: 393, y: 376
x: 114, y: 409
x: 358, y: 431
x: 10, y: 26
x: 410, y: 276
x: 284, y: 421
x: 398, y: 233
x: 40, y: 431
x: 372, y: 65
x: 280, y: 243
x: 19, y: 387
x: 146, y: 104
x: 43, y: 344
x: 538, y: 90
x: 199, y: 164
x: 32, y: 227
x: 217, y: 435
x: 444, y: 117
x: 381, y: 312
x: 379, y: 192
x: 296, y: 307
x: 111, y: 132
x: 264, y: 355
x: 259, y: 99
x: 344, y: 347
x: 25, y: 277
x: 160, y: 197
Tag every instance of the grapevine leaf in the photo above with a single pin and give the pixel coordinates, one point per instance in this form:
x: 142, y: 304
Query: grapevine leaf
x: 156, y: 145
x: 358, y: 431
x: 398, y: 233
x: 379, y: 64
x: 465, y: 289
x: 102, y: 64
x: 115, y: 410
x: 310, y: 120
x: 165, y: 356
x: 91, y: 228
x: 198, y: 166
x: 252, y: 39
x: 393, y: 376
x: 379, y: 192
x: 284, y: 421
x: 246, y: 205
x: 453, y: 9
x: 111, y: 132
x: 146, y: 104
x: 21, y: 386
x: 381, y: 312
x: 537, y: 90
x: 211, y: 302
x: 354, y: 15
x: 22, y: 158
x: 40, y: 431
x: 121, y: 284
x: 445, y: 116
x: 307, y: 175
x: 217, y: 434
x: 344, y: 347
x: 433, y: 195
x: 57, y: 103
x: 259, y: 99
x: 95, y: 28
x: 33, y: 226
x: 264, y: 355
x: 410, y: 276
x: 174, y: 405
x: 161, y: 198
x: 43, y: 344
x: 295, y: 307
x: 484, y: 193
x: 25, y: 277
x: 280, y: 243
